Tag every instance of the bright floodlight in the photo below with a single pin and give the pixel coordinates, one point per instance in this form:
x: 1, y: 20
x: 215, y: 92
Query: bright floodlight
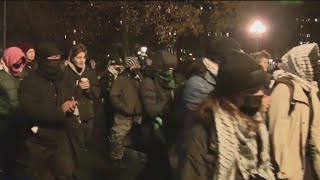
x: 257, y: 27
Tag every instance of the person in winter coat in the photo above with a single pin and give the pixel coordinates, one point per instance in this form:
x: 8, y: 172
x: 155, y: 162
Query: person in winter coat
x: 80, y: 83
x: 198, y: 87
x: 11, y: 66
x: 157, y: 89
x: 223, y: 142
x: 114, y: 68
x: 157, y: 92
x: 125, y: 99
x: 202, y: 82
x: 46, y: 153
x: 29, y: 52
x: 294, y: 118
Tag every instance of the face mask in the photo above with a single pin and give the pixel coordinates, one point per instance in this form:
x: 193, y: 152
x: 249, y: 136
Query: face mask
x: 50, y: 68
x: 251, y: 105
x: 167, y: 75
x: 18, y: 67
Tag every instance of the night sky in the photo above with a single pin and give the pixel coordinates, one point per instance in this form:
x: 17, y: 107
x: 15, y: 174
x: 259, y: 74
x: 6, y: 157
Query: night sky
x: 279, y: 17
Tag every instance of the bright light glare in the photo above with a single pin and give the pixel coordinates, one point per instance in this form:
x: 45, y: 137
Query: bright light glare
x: 257, y: 27
x: 144, y: 49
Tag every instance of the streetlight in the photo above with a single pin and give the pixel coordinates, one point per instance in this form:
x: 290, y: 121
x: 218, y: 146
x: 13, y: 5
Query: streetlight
x: 257, y: 29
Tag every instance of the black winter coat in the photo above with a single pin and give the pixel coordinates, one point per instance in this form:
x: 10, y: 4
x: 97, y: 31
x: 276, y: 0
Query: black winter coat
x: 46, y: 153
x: 198, y: 155
x: 70, y: 83
x: 156, y: 99
x: 41, y: 101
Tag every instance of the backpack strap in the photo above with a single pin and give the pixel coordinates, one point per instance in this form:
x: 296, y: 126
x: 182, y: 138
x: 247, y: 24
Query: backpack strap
x: 288, y: 82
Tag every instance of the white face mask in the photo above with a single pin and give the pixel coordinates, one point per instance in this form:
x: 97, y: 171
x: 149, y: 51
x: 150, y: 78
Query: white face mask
x: 211, y: 66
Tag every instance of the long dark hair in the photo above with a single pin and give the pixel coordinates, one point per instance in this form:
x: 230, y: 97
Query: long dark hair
x: 230, y: 104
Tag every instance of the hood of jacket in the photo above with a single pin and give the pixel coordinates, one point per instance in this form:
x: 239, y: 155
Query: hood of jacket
x: 163, y: 59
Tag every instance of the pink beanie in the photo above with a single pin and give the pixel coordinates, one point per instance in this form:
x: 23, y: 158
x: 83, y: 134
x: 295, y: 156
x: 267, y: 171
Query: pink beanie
x: 11, y: 56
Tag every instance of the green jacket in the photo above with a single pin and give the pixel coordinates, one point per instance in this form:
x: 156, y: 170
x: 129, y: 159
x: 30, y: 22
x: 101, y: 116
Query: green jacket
x: 8, y: 98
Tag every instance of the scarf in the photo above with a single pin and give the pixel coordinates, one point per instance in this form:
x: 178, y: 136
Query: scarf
x: 237, y: 149
x: 114, y: 72
x: 166, y: 79
x: 298, y: 62
x: 74, y: 69
x: 3, y: 67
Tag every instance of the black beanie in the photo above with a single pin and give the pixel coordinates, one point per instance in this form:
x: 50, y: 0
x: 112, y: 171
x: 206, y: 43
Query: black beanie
x: 47, y: 49
x: 217, y: 47
x: 239, y: 73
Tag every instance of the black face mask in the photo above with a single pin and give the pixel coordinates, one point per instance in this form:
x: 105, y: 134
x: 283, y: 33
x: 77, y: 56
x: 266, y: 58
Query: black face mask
x: 50, y: 69
x: 251, y: 105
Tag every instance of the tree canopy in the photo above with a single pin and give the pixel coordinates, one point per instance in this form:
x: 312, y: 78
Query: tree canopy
x: 103, y: 23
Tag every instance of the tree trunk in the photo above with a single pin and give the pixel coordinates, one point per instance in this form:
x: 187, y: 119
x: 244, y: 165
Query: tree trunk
x: 125, y: 40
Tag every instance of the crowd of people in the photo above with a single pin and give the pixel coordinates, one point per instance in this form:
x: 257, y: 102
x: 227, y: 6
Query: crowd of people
x: 226, y: 118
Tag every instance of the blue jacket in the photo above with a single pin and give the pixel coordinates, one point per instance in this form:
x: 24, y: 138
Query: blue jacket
x: 197, y: 88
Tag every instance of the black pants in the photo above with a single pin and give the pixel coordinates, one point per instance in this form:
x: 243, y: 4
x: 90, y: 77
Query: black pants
x: 40, y: 161
x: 80, y: 133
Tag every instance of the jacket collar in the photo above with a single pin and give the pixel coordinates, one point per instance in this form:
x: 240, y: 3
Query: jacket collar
x: 75, y: 70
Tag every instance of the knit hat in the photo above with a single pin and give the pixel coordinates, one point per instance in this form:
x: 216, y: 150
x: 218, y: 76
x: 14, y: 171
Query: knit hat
x: 132, y: 61
x: 25, y: 46
x: 47, y: 49
x: 217, y: 47
x: 236, y: 77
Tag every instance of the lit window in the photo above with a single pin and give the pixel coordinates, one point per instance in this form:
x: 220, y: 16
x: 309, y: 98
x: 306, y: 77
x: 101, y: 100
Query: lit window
x: 65, y: 36
x: 301, y: 26
x: 301, y: 42
x: 227, y: 34
x: 74, y: 43
x: 308, y: 35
